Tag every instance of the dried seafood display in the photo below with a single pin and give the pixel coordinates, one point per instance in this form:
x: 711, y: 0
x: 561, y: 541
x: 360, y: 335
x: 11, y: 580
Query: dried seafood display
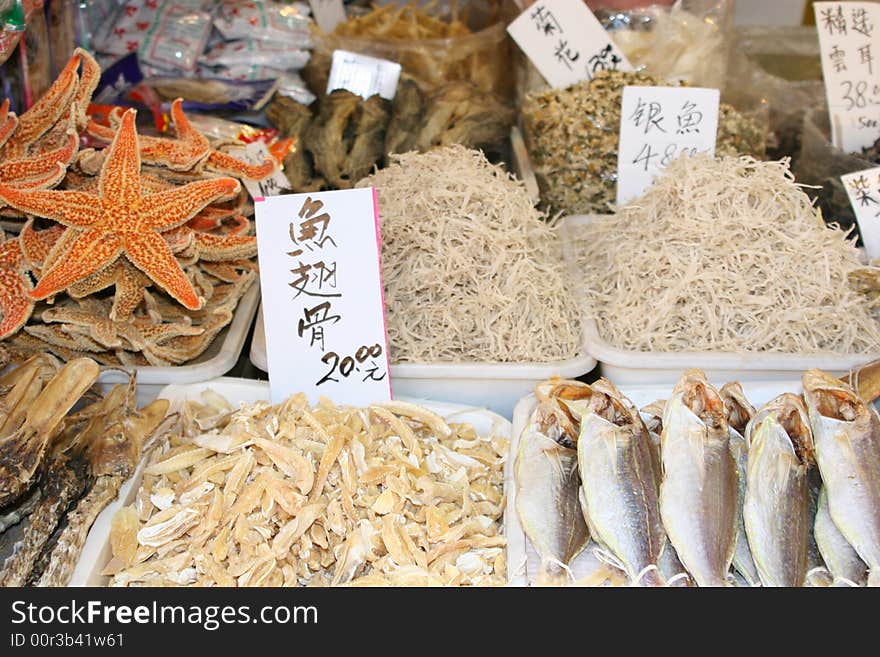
x: 133, y: 264
x: 572, y: 136
x: 59, y: 467
x: 348, y: 136
x: 472, y: 271
x: 292, y: 495
x: 726, y: 255
x: 658, y: 495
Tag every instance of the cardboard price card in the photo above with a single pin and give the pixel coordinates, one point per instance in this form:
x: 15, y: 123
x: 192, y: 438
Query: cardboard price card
x: 566, y: 42
x: 363, y: 75
x: 863, y: 189
x: 323, y: 305
x: 658, y: 125
x: 848, y: 42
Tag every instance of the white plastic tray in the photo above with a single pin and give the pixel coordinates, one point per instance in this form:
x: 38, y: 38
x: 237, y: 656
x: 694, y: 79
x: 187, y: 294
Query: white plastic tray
x: 216, y: 361
x: 522, y: 560
x: 496, y: 386
x: 96, y: 552
x: 625, y: 367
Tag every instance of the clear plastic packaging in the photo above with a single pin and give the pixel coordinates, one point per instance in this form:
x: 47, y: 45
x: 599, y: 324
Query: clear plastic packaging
x: 264, y: 20
x: 482, y: 57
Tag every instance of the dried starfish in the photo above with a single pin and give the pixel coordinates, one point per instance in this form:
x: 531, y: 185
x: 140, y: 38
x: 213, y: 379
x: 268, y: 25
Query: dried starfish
x: 190, y: 151
x: 214, y: 248
x: 129, y: 285
x: 88, y: 82
x: 46, y: 112
x: 228, y: 272
x: 36, y: 244
x: 119, y: 220
x: 15, y: 303
x: 8, y: 122
x: 40, y: 166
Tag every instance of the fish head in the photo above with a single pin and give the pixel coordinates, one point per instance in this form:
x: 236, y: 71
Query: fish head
x: 556, y: 388
x: 831, y: 398
x: 555, y: 420
x: 694, y: 393
x: 738, y: 409
x: 654, y: 413
x: 789, y: 412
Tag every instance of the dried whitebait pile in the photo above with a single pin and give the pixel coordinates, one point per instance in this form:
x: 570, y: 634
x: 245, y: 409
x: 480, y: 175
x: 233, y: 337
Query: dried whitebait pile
x: 293, y: 495
x: 726, y: 255
x: 471, y: 270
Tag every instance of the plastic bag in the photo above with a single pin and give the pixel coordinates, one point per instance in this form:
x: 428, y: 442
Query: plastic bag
x: 482, y: 58
x: 820, y: 163
x: 782, y: 66
x: 264, y: 20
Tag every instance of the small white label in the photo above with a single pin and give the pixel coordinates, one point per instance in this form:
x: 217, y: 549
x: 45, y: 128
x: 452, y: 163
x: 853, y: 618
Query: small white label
x: 363, y: 75
x: 863, y: 188
x: 848, y: 42
x: 327, y: 14
x: 323, y: 305
x: 657, y: 125
x: 256, y: 153
x: 566, y: 42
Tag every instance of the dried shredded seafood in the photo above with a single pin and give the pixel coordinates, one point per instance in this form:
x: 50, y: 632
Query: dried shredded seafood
x: 292, y: 495
x: 572, y: 136
x: 727, y: 255
x: 471, y: 270
x: 59, y: 468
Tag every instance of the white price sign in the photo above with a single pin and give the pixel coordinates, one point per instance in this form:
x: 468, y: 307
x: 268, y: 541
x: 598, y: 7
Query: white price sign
x: 566, y: 42
x: 863, y: 188
x: 363, y: 75
x: 327, y: 14
x: 848, y: 42
x: 323, y: 306
x: 657, y: 125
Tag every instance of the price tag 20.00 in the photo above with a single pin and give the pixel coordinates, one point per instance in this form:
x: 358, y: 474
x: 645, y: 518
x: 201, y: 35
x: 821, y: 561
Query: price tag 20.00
x: 848, y: 42
x: 863, y: 189
x: 565, y: 42
x: 323, y: 306
x: 658, y: 125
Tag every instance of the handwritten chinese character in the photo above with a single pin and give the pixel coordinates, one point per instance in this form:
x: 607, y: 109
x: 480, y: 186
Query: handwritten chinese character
x: 305, y: 275
x: 647, y: 115
x: 833, y: 20
x: 866, y: 57
x: 860, y: 22
x: 838, y: 59
x: 545, y: 21
x: 689, y: 119
x: 372, y: 371
x: 566, y: 55
x: 604, y: 60
x: 860, y: 186
x: 314, y: 229
x: 313, y: 318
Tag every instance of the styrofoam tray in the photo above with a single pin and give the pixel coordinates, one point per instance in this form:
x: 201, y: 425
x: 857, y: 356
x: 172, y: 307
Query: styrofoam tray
x: 496, y: 386
x: 217, y: 360
x: 624, y: 367
x: 522, y: 560
x: 96, y: 551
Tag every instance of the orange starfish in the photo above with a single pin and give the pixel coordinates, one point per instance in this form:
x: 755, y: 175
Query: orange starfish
x: 8, y: 122
x: 44, y: 113
x: 36, y: 244
x: 42, y: 165
x: 119, y: 219
x: 191, y: 150
x: 15, y: 303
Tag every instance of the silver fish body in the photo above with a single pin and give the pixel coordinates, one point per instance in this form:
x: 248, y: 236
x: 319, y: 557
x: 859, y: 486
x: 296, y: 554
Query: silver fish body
x: 547, y: 503
x: 698, y: 494
x: 620, y: 490
x: 776, y: 509
x: 839, y: 556
x: 847, y: 436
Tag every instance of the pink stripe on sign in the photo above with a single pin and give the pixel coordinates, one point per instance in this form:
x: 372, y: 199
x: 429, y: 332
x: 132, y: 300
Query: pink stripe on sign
x: 377, y: 222
x: 259, y: 199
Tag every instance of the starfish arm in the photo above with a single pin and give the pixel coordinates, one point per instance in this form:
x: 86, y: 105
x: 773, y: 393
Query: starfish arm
x: 88, y: 82
x: 175, y: 207
x: 149, y: 253
x: 8, y: 122
x: 14, y: 302
x: 10, y: 254
x: 78, y: 209
x: 36, y: 245
x: 172, y: 153
x: 51, y: 106
x: 120, y: 178
x: 88, y: 253
x: 41, y: 165
x: 215, y: 248
x: 184, y: 129
x: 102, y: 132
x: 223, y: 163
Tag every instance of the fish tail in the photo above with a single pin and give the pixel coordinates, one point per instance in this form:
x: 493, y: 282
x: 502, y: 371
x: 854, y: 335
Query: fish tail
x: 553, y: 573
x: 649, y: 576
